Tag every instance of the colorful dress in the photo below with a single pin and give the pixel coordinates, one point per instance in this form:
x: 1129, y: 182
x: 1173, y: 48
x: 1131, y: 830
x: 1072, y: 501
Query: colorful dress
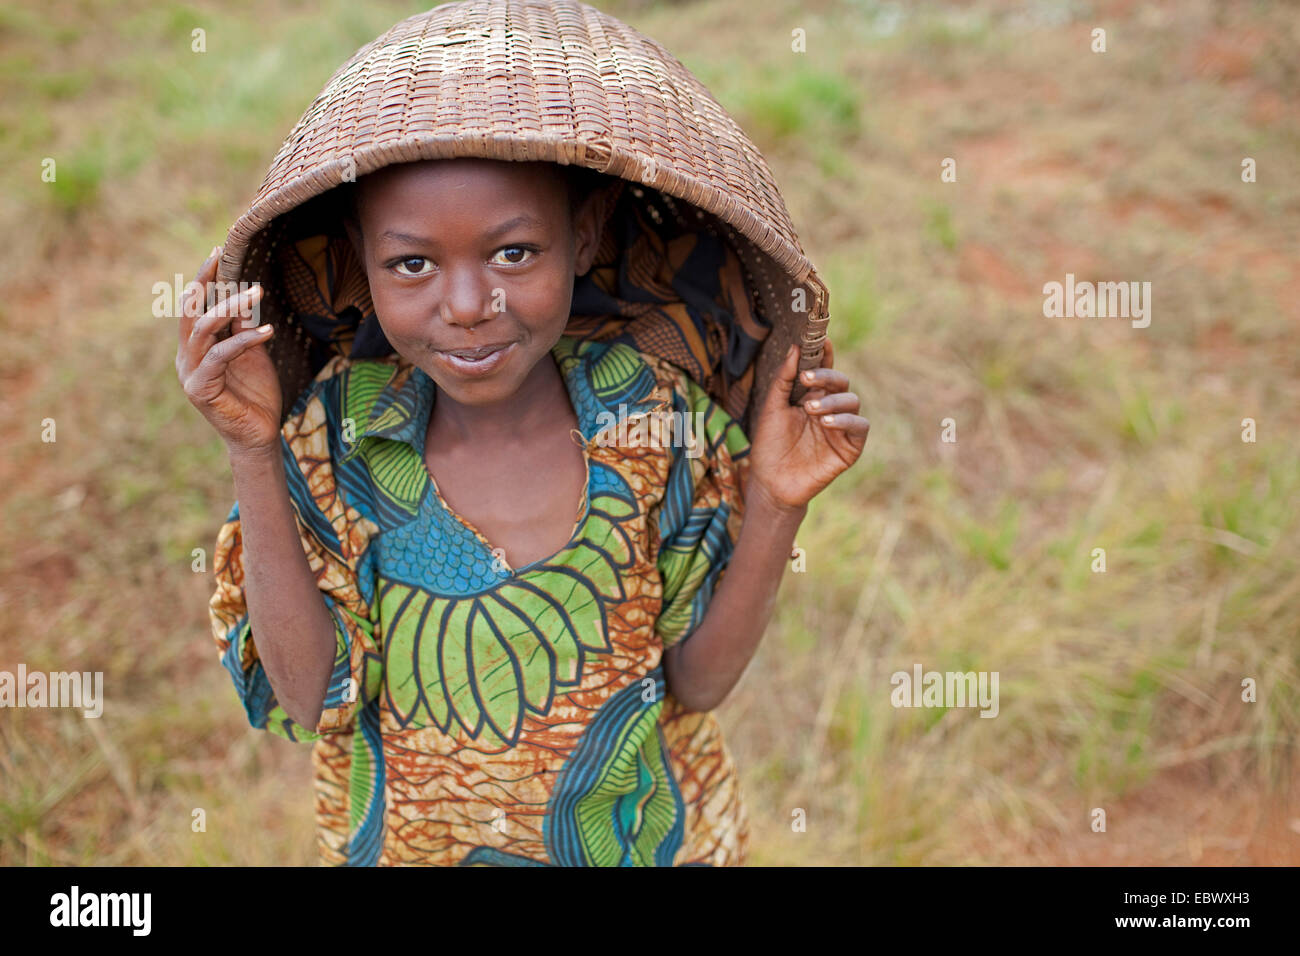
x: 483, y: 714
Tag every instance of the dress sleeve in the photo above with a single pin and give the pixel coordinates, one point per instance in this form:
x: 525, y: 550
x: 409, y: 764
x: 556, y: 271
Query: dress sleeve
x: 702, y: 511
x: 335, y: 540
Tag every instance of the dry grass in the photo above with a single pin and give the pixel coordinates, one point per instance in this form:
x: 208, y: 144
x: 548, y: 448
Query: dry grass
x: 1118, y: 690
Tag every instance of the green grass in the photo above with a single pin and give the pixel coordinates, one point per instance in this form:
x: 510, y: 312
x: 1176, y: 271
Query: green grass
x: 1072, y: 435
x: 802, y: 103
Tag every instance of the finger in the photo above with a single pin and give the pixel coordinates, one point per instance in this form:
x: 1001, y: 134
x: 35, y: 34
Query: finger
x: 218, y: 317
x: 826, y: 379
x: 204, y: 332
x: 779, y: 393
x: 854, y: 425
x: 207, y: 378
x: 837, y: 403
x: 195, y: 288
x: 814, y: 391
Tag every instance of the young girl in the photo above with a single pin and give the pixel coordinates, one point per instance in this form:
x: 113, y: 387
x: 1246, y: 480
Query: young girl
x: 502, y: 620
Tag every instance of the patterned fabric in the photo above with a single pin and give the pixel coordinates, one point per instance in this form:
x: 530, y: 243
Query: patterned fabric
x: 483, y: 714
x: 680, y: 296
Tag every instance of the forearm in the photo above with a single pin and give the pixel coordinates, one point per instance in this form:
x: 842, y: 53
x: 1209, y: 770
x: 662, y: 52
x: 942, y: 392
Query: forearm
x: 290, y: 621
x: 707, y: 664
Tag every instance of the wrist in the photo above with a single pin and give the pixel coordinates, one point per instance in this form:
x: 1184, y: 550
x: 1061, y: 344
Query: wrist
x: 760, y: 501
x: 255, y: 459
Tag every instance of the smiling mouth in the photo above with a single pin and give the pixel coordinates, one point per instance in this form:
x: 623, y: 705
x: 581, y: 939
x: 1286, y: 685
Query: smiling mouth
x: 474, y: 355
x: 477, y: 362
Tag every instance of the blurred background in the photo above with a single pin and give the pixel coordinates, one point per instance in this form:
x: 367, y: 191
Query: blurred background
x: 1119, y: 690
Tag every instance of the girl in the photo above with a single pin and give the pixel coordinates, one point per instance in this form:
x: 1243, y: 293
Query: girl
x: 502, y: 621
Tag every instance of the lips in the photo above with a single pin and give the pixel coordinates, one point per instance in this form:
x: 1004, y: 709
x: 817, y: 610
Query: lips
x: 475, y: 355
x: 478, y: 362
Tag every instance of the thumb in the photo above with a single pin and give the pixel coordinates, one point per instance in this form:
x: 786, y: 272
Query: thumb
x: 778, y: 395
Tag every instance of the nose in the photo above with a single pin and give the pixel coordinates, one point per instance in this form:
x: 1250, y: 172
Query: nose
x: 466, y: 298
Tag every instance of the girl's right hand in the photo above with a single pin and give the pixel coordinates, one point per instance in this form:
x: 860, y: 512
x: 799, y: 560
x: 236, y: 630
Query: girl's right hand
x: 231, y: 381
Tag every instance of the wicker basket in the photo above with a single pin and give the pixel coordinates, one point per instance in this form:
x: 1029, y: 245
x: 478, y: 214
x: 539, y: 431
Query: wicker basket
x: 537, y: 80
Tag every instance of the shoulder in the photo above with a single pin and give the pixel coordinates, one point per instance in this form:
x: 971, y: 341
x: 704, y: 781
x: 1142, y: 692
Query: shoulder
x: 720, y: 434
x: 360, y: 380
x: 334, y: 515
x: 343, y: 395
x: 615, y: 371
x: 319, y: 436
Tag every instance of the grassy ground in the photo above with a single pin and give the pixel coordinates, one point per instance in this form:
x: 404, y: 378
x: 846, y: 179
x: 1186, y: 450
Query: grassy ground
x: 1118, y: 690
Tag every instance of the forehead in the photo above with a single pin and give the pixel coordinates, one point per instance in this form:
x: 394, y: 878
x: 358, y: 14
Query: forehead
x: 444, y: 179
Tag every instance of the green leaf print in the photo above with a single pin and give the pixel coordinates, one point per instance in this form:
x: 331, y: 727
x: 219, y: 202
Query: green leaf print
x: 487, y: 659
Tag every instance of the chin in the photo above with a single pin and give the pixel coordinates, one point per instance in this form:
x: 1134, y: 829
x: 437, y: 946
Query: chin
x: 486, y: 392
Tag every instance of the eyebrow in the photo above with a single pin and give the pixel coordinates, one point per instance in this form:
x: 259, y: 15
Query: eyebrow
x: 515, y: 223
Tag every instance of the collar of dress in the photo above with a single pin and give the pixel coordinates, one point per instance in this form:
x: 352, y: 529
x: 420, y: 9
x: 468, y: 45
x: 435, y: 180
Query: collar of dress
x: 402, y: 407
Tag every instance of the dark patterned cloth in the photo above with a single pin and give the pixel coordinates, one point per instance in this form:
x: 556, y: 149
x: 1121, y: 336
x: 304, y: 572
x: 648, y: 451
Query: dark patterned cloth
x: 678, y: 296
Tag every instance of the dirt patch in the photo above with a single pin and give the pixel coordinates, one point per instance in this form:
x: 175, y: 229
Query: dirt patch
x: 1226, y: 55
x: 983, y: 265
x: 1185, y: 818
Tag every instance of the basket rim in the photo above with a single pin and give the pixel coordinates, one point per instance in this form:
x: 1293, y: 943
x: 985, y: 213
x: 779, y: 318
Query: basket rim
x: 416, y: 147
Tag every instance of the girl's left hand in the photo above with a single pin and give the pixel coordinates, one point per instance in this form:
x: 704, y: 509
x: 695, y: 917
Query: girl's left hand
x: 800, y: 449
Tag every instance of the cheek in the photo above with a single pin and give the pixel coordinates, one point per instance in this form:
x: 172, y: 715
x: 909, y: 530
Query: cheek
x: 544, y: 296
x: 400, y: 316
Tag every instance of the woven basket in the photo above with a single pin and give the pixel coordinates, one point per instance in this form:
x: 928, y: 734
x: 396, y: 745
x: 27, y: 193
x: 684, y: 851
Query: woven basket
x: 537, y: 80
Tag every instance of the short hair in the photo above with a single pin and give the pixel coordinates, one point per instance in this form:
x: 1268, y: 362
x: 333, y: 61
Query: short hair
x: 581, y: 182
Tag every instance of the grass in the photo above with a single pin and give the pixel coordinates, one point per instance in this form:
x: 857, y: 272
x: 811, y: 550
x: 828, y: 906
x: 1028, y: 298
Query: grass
x: 1117, y: 688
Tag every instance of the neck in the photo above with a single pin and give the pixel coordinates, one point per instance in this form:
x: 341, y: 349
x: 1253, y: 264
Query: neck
x: 530, y: 411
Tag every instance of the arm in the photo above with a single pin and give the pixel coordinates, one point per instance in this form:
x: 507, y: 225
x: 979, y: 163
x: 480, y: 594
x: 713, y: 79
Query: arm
x: 295, y: 631
x: 232, y: 382
x: 797, y: 452
x: 702, y: 670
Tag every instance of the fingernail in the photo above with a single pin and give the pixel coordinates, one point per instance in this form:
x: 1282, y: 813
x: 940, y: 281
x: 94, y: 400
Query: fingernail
x: 263, y: 329
x: 808, y: 376
x: 814, y: 405
x: 828, y: 419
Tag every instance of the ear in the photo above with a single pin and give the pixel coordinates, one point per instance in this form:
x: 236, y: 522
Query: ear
x: 589, y: 226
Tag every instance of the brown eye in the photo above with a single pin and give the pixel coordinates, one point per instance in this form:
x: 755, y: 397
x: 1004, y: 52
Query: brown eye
x: 515, y: 254
x: 412, y: 265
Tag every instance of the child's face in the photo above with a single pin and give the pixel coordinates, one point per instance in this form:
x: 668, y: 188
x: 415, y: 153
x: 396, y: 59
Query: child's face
x: 464, y: 254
